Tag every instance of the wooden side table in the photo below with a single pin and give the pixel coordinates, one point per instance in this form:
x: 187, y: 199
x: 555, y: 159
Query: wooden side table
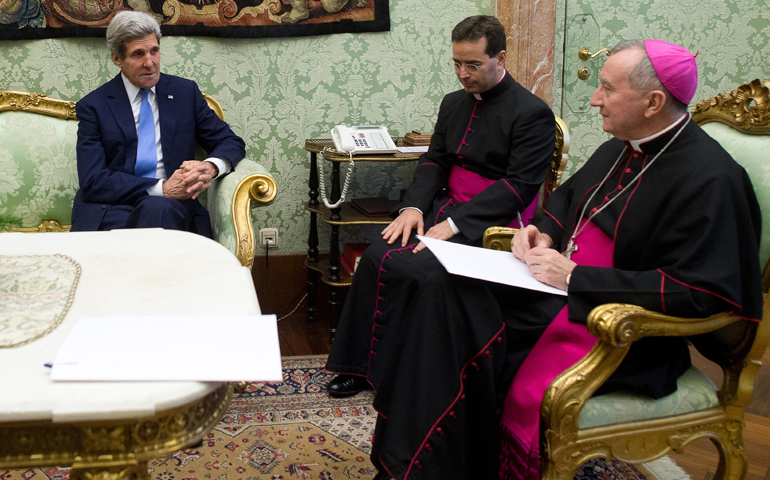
x: 329, y: 270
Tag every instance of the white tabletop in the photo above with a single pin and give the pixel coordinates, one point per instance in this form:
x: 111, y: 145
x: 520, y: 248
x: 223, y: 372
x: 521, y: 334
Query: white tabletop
x: 124, y: 273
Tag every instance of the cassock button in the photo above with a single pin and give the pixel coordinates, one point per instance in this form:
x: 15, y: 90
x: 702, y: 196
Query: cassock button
x: 487, y: 354
x: 452, y: 415
x: 594, y: 210
x: 620, y: 187
x: 606, y: 199
x: 473, y: 364
x: 439, y: 431
x: 462, y: 397
x: 636, y: 155
x: 465, y: 377
x: 428, y: 447
x: 417, y: 464
x: 499, y: 339
x: 628, y: 170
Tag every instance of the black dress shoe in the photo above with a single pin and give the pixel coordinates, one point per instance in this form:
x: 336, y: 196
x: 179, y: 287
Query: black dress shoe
x: 347, y: 386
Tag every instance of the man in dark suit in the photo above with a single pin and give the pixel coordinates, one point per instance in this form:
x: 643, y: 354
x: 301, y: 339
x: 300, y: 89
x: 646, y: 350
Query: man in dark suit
x: 136, y: 141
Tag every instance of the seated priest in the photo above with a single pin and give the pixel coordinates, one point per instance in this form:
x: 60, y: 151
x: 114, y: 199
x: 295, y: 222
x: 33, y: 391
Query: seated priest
x: 489, y: 154
x: 660, y: 216
x: 136, y: 141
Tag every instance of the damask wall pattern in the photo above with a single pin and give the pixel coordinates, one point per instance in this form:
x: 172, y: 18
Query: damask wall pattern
x: 278, y: 92
x: 731, y: 36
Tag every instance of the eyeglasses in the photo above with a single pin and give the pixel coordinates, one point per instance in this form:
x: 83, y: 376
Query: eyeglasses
x: 470, y: 67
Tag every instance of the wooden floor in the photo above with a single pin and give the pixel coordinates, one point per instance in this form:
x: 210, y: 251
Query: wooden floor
x: 298, y: 336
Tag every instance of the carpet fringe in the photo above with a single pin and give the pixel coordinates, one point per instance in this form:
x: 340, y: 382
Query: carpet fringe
x: 665, y: 468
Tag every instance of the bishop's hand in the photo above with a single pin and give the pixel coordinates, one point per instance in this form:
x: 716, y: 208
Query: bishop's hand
x: 528, y: 238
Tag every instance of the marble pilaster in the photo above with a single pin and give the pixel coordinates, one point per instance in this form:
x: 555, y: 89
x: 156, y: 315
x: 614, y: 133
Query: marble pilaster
x: 531, y: 27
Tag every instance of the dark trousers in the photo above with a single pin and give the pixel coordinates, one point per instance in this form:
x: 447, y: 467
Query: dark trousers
x: 151, y: 212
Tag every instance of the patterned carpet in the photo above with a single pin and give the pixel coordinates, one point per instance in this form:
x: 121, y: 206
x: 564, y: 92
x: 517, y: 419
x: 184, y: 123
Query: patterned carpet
x: 288, y: 430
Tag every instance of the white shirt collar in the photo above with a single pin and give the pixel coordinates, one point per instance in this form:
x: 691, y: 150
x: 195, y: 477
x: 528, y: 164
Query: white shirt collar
x: 131, y: 89
x: 478, y: 96
x: 635, y: 143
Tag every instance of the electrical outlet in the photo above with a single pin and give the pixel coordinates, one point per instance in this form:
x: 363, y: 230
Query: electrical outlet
x: 268, y: 235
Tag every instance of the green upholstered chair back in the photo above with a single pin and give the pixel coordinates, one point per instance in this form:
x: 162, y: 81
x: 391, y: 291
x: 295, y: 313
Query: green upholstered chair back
x: 38, y: 172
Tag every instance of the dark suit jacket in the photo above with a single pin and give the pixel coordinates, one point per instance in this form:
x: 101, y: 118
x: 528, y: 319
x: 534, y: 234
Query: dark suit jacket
x: 107, y: 142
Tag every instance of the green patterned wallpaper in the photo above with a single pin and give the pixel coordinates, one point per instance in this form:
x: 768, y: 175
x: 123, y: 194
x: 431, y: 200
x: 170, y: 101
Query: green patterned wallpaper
x: 278, y: 92
x: 732, y: 36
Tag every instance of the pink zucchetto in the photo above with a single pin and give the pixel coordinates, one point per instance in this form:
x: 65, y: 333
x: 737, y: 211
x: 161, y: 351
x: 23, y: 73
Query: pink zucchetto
x: 676, y: 68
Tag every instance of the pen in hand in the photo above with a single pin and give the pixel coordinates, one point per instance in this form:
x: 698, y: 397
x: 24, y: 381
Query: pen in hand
x: 518, y: 215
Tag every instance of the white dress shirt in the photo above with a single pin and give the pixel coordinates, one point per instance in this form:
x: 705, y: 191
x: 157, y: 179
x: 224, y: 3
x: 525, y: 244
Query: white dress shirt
x: 135, y: 96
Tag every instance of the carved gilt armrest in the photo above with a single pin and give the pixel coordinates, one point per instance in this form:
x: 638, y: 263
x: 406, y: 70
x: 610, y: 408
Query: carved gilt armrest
x: 616, y: 326
x: 230, y: 202
x: 499, y: 238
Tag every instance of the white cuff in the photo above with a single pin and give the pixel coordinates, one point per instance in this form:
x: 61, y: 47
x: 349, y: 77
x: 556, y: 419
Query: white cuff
x: 222, y: 164
x: 452, y: 225
x: 410, y: 208
x: 156, y: 190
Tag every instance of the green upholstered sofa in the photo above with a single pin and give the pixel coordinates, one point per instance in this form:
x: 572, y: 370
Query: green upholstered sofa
x: 38, y: 175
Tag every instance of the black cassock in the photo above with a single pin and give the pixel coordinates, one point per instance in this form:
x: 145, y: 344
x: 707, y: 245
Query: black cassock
x: 441, y: 350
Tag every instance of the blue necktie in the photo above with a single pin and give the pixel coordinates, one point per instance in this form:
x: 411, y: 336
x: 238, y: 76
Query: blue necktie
x: 146, y: 155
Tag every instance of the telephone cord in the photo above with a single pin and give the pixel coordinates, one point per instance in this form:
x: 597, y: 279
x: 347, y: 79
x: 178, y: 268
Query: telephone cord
x: 322, y: 185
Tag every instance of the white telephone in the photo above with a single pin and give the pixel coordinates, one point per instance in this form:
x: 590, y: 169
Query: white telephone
x: 363, y: 139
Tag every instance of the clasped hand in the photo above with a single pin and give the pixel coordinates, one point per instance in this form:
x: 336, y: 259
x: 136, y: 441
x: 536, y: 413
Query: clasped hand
x: 546, y: 264
x: 190, y: 180
x: 411, y: 219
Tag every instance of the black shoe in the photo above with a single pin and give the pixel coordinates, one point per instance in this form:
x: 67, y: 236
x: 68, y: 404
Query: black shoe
x: 347, y: 386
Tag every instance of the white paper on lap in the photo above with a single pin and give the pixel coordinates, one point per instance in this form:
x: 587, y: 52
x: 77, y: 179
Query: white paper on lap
x: 485, y: 264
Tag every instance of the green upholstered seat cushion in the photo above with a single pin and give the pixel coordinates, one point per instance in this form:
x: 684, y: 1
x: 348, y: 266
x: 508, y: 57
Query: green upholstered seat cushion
x: 38, y: 172
x: 751, y: 151
x: 695, y: 391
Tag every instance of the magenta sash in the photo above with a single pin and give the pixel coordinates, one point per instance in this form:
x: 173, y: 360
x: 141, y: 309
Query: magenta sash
x: 563, y: 343
x: 464, y: 185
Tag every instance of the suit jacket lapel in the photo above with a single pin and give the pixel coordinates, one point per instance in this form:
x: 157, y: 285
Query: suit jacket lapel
x: 167, y: 113
x: 120, y: 106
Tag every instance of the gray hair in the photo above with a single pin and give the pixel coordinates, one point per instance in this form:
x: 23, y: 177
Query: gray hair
x: 643, y: 78
x: 127, y: 25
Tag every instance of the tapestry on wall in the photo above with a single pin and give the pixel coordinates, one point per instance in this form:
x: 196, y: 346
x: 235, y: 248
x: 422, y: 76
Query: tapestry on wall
x: 31, y: 19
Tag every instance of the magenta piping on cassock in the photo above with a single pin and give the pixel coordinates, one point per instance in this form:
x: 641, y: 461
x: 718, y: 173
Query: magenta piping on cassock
x: 379, y: 297
x: 462, y: 142
x: 495, y: 337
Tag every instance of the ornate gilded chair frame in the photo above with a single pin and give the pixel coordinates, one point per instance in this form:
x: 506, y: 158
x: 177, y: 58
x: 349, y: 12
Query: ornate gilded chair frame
x: 258, y: 188
x: 565, y: 446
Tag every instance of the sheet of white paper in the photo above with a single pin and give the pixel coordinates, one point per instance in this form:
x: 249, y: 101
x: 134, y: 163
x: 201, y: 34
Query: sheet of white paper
x: 413, y: 149
x: 217, y: 349
x: 484, y: 264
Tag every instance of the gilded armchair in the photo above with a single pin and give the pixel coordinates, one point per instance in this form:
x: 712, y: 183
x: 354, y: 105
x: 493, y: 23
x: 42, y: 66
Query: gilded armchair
x: 37, y: 156
x: 577, y: 426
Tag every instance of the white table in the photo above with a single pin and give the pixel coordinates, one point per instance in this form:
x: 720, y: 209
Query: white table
x: 111, y: 428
